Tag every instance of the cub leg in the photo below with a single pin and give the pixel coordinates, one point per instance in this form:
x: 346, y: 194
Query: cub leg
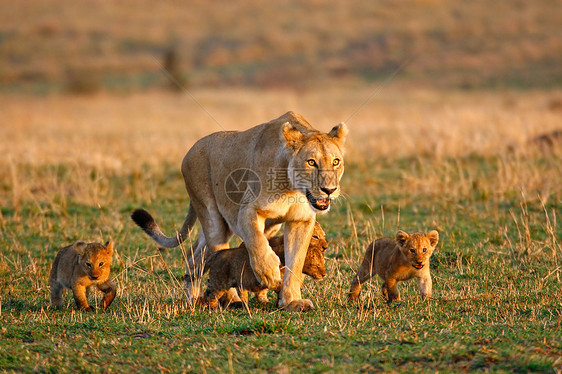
x: 425, y: 287
x: 262, y: 296
x: 80, y: 298
x: 243, y: 295
x: 109, y: 290
x: 390, y: 290
x: 212, y: 298
x: 365, y: 272
x: 56, y: 294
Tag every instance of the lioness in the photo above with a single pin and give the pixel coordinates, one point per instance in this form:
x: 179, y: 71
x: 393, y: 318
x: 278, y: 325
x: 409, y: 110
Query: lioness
x: 248, y: 183
x: 80, y: 266
x: 231, y: 268
x: 396, y: 260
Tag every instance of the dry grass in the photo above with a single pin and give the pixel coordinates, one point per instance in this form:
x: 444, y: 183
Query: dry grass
x: 123, y: 135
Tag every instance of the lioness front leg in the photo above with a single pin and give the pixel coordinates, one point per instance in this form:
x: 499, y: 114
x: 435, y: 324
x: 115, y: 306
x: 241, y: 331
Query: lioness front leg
x: 425, y: 286
x: 297, y: 239
x: 263, y: 260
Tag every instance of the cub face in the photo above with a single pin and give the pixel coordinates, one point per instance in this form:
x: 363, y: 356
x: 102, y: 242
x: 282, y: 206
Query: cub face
x: 418, y: 247
x: 95, y: 259
x: 315, y: 263
x: 316, y: 166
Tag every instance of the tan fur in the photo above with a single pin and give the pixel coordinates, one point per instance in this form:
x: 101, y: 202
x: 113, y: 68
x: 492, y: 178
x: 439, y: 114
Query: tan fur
x: 299, y: 169
x: 79, y: 267
x: 231, y: 268
x: 397, y: 260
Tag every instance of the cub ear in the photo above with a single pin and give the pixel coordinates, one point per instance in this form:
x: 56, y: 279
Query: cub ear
x: 292, y: 136
x: 80, y: 247
x: 339, y: 133
x: 401, y: 237
x: 109, y: 246
x: 433, y: 237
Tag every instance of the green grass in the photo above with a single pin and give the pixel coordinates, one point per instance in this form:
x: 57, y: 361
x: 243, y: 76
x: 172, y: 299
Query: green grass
x: 497, y: 302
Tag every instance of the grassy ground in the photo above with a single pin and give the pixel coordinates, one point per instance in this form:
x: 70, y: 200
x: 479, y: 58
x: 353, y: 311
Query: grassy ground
x: 75, y: 168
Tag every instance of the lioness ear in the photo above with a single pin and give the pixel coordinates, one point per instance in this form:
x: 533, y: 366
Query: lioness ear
x: 433, y: 237
x: 109, y: 246
x: 79, y: 247
x: 293, y: 137
x: 339, y: 133
x: 401, y: 237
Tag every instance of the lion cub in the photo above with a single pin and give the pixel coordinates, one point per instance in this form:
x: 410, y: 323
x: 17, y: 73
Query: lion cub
x: 80, y: 266
x: 396, y: 260
x: 231, y: 268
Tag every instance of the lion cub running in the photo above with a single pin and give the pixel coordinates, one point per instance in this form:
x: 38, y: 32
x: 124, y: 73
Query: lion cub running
x: 80, y: 266
x: 231, y: 268
x: 396, y: 260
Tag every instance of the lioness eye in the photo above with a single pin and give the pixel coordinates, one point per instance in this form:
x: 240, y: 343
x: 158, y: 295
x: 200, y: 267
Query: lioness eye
x: 311, y: 162
x: 336, y: 162
x: 425, y: 249
x: 412, y: 250
x: 88, y: 264
x: 101, y: 263
x: 315, y: 237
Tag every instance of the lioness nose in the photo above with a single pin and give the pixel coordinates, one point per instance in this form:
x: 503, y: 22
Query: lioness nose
x: 328, y: 190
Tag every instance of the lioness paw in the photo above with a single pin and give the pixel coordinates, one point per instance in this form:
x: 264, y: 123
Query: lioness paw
x: 302, y: 305
x: 267, y: 271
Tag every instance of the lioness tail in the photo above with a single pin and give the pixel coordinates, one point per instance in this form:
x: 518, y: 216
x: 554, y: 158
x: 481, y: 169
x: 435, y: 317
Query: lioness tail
x: 145, y: 221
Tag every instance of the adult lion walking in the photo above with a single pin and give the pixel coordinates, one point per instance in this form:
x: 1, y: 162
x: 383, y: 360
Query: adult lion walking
x: 249, y: 183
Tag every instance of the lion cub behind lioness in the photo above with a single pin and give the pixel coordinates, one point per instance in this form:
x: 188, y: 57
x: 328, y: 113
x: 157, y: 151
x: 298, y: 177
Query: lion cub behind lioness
x: 80, y: 266
x: 231, y: 268
x: 396, y: 260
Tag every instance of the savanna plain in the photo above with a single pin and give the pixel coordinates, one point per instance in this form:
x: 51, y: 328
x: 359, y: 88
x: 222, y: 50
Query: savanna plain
x: 469, y: 164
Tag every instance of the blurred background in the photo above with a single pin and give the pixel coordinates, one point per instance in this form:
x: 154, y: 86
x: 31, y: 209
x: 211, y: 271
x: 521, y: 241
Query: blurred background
x: 51, y: 46
x: 96, y: 84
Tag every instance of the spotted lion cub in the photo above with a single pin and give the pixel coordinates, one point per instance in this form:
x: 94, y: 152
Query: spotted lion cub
x: 79, y: 267
x: 396, y: 260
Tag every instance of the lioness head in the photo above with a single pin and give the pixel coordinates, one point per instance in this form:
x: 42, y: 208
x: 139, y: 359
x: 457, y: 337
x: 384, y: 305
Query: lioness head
x: 314, y: 263
x: 418, y: 247
x: 95, y: 259
x: 316, y: 165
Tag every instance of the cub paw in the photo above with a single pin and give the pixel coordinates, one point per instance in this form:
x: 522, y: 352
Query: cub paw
x: 352, y: 297
x: 262, y: 297
x: 302, y: 305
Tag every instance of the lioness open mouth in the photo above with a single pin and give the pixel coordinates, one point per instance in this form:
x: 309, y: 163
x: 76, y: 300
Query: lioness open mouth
x: 418, y: 266
x: 320, y: 204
